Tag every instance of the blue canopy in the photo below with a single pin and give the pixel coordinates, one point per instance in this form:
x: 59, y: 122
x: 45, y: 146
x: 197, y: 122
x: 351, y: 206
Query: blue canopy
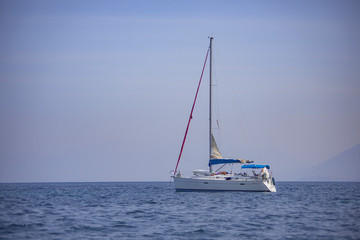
x: 222, y: 161
x: 255, y: 166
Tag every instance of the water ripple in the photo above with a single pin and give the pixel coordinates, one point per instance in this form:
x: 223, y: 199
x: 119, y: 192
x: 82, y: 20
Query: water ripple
x: 154, y: 211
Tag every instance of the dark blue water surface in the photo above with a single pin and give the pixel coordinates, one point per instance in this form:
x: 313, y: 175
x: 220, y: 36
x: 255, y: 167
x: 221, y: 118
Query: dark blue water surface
x: 299, y: 210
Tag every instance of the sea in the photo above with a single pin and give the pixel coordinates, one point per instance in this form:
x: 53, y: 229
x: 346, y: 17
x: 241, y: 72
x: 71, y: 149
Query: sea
x: 153, y: 210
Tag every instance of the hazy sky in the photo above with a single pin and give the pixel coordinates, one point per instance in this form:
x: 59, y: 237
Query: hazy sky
x: 102, y: 90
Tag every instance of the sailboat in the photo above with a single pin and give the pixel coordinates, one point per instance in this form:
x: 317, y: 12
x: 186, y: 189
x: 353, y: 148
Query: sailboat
x: 249, y: 177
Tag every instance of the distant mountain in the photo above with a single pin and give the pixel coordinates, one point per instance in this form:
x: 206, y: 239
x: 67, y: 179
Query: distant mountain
x: 342, y: 167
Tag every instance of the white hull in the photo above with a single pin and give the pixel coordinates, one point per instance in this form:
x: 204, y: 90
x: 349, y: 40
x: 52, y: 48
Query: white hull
x: 209, y: 183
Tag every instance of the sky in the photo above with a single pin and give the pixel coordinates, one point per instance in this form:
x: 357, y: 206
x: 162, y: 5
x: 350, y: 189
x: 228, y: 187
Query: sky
x: 102, y: 90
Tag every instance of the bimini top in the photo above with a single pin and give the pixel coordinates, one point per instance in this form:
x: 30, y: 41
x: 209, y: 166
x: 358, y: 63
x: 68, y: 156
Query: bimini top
x: 227, y: 160
x: 255, y: 166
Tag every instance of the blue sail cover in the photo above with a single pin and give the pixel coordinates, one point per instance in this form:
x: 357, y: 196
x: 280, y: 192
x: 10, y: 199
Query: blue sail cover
x: 222, y: 161
x: 255, y: 166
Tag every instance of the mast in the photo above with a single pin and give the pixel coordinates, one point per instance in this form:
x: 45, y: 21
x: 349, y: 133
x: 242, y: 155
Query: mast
x: 210, y: 103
